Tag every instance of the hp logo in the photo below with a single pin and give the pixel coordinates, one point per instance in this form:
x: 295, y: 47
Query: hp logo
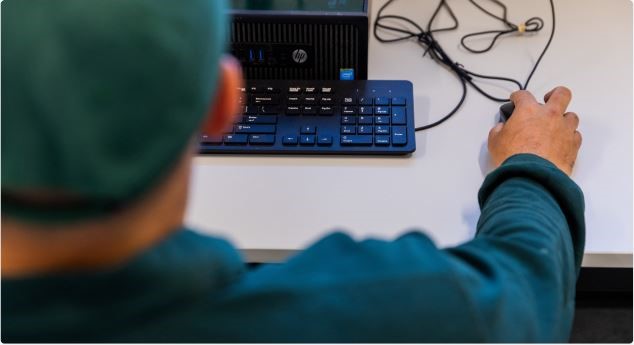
x: 299, y: 56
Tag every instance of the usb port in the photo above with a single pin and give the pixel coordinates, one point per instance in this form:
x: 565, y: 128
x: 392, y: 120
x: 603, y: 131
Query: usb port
x: 260, y: 55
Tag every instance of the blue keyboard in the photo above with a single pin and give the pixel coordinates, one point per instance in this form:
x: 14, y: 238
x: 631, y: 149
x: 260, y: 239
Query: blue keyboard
x: 362, y: 117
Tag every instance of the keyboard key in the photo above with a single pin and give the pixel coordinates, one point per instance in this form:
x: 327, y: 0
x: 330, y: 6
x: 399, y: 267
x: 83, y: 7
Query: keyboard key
x: 399, y: 101
x: 254, y: 129
x: 326, y: 100
x: 365, y: 100
x: 310, y: 90
x: 307, y: 140
x: 381, y: 110
x: 293, y: 110
x: 265, y: 100
x: 382, y: 129
x: 348, y: 129
x: 210, y: 140
x: 348, y: 120
x: 399, y: 135
x: 269, y: 109
x: 293, y: 100
x: 326, y: 110
x: 365, y: 129
x: 349, y: 100
x: 309, y: 100
x: 327, y: 90
x: 348, y: 110
x: 382, y: 120
x: 382, y: 140
x: 398, y: 116
x: 261, y: 139
x: 309, y: 110
x: 255, y: 89
x: 356, y: 140
x: 308, y: 130
x: 324, y: 140
x: 289, y: 140
x: 270, y: 89
x: 381, y: 101
x: 365, y: 110
x: 366, y: 120
x: 260, y: 119
x: 235, y: 139
x: 294, y: 89
x: 249, y: 109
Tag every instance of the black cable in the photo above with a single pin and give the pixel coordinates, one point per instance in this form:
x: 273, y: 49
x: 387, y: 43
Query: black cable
x: 425, y: 37
x: 534, y: 24
x: 550, y: 40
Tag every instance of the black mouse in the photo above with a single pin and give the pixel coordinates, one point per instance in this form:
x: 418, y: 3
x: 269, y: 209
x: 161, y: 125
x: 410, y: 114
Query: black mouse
x: 506, y: 110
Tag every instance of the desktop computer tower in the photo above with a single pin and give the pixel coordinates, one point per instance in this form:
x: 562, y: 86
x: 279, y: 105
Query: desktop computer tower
x: 301, y: 39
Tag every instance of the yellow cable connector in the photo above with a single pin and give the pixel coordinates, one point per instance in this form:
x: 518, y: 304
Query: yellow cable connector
x: 521, y: 28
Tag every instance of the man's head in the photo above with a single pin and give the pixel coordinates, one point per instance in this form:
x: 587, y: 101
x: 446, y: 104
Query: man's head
x: 101, y: 101
x: 101, y: 98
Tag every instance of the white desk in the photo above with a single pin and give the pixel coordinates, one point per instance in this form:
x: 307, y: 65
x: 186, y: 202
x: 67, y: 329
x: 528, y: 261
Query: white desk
x: 272, y: 206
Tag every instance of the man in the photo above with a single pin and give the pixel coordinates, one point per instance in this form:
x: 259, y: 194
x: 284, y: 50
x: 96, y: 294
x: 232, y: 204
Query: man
x: 102, y: 102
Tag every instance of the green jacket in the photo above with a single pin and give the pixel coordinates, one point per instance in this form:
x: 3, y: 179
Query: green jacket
x: 515, y: 281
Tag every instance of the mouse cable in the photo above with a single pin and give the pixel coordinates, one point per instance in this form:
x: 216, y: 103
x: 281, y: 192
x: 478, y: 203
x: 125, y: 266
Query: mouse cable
x: 425, y: 37
x: 534, y: 24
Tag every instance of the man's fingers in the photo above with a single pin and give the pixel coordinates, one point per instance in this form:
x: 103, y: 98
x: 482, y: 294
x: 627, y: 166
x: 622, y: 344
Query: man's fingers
x: 523, y: 98
x: 572, y: 120
x: 578, y: 139
x: 547, y: 96
x: 559, y: 99
x: 495, y: 130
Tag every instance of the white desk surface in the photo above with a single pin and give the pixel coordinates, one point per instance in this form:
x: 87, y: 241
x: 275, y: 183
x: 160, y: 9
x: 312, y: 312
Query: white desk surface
x: 271, y: 206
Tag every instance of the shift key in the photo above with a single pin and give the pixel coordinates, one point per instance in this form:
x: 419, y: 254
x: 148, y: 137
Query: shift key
x: 252, y: 129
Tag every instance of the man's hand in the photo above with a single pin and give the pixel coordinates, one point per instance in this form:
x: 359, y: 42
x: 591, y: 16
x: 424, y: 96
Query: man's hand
x: 545, y: 130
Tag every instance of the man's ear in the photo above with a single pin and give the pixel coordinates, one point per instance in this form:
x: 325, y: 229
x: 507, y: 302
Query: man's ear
x: 225, y: 104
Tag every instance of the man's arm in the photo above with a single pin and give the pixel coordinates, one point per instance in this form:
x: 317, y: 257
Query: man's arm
x: 520, y: 270
x: 523, y: 264
x: 514, y: 282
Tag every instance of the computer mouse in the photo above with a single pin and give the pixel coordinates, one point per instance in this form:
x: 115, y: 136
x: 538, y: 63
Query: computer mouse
x: 506, y: 110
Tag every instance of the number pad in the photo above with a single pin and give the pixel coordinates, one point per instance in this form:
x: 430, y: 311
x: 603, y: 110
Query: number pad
x: 382, y: 120
x: 348, y: 130
x: 381, y: 110
x: 365, y: 110
x: 382, y: 129
x: 365, y: 129
x: 366, y: 120
x: 348, y: 120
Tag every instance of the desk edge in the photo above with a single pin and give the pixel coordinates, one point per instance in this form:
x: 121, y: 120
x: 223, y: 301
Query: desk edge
x: 589, y: 260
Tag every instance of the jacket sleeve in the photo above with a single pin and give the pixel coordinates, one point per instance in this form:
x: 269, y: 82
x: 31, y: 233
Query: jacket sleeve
x: 515, y: 281
x: 521, y: 269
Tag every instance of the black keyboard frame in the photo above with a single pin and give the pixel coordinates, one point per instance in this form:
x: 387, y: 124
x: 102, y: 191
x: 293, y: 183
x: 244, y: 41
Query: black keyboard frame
x: 327, y: 125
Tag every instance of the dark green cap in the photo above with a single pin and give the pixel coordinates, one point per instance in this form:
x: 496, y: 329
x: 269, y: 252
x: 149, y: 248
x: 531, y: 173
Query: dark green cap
x: 101, y: 97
